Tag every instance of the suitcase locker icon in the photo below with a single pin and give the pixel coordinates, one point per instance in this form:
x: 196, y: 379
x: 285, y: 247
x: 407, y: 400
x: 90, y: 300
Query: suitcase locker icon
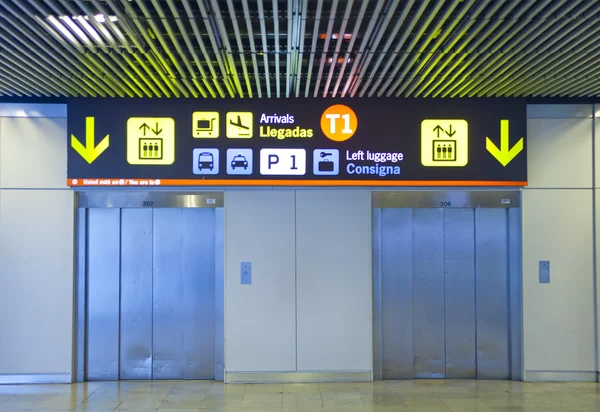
x: 325, y: 165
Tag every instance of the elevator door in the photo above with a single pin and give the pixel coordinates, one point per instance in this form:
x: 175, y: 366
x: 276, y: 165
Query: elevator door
x: 445, y: 293
x: 150, y: 294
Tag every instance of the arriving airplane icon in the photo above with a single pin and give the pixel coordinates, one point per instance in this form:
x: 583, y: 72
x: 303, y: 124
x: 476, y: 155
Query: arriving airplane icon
x: 239, y: 123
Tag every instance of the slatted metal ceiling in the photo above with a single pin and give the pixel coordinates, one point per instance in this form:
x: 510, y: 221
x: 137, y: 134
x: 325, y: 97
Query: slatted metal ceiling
x: 299, y: 48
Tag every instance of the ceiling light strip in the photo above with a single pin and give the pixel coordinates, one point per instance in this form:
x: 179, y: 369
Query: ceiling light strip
x: 100, y: 70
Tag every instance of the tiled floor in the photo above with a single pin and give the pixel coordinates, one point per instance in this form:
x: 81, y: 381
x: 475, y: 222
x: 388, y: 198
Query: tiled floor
x: 407, y: 396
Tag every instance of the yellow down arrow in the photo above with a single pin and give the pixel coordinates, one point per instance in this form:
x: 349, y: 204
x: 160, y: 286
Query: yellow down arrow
x: 89, y: 152
x: 505, y: 154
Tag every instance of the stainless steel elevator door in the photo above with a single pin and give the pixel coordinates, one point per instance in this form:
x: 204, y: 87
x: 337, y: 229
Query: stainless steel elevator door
x: 151, y: 300
x: 444, y: 293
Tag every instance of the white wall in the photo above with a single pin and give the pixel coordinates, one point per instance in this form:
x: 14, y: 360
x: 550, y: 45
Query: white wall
x: 559, y: 342
x: 36, y: 244
x: 260, y: 319
x: 309, y: 306
x: 333, y: 243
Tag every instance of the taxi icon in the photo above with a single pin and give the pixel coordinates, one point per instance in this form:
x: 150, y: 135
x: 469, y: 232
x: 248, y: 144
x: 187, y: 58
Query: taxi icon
x: 239, y: 161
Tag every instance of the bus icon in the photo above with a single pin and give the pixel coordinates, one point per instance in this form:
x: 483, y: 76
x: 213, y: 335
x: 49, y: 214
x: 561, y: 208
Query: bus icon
x: 206, y: 161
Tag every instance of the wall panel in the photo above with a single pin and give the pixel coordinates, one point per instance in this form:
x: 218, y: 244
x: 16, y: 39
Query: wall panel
x: 36, y: 282
x: 558, y: 317
x: 333, y: 255
x: 260, y: 319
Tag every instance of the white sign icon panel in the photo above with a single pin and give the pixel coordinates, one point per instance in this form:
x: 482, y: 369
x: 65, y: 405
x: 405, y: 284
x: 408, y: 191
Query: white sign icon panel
x: 283, y: 162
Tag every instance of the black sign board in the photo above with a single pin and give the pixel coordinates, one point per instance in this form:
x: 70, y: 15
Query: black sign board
x: 287, y: 142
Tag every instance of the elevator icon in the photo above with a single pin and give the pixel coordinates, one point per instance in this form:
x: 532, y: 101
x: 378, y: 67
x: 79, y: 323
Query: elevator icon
x: 444, y: 142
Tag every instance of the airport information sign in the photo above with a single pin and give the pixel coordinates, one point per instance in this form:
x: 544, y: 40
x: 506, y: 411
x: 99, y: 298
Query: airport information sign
x: 302, y: 142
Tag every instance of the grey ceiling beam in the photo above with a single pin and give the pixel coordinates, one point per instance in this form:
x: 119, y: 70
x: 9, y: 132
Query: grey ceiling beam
x: 338, y: 45
x: 218, y: 49
x: 567, y: 55
x: 253, y: 51
x: 456, y: 46
x: 313, y: 47
x: 425, y: 52
x: 426, y: 21
x: 208, y: 84
x: 385, y: 49
x: 522, y: 35
x: 166, y: 86
x: 490, y: 45
x: 277, y: 50
x: 372, y: 48
x: 205, y: 54
x: 300, y: 50
x: 66, y: 51
x: 53, y: 70
x: 227, y: 48
x: 573, y: 64
x: 240, y: 46
x: 265, y: 47
x: 11, y: 50
x: 354, y: 35
x: 115, y: 43
x: 323, y: 59
x: 425, y: 56
x: 162, y: 65
x: 22, y: 84
x: 149, y: 19
x: 366, y: 38
x: 399, y: 45
x: 103, y: 64
x: 548, y: 35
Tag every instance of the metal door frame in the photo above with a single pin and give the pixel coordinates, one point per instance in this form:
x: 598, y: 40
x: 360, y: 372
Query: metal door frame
x: 85, y: 200
x: 472, y: 199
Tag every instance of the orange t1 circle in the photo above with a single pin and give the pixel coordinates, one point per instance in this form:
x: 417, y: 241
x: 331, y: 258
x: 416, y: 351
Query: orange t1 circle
x: 339, y: 122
